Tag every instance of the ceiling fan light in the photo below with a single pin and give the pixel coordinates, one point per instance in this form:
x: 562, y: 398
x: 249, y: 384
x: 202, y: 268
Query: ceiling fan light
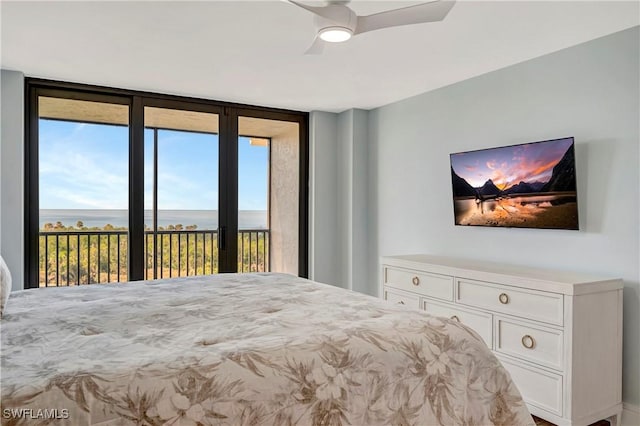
x: 335, y: 34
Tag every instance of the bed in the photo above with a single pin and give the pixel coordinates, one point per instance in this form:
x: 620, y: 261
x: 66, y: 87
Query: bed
x: 242, y: 349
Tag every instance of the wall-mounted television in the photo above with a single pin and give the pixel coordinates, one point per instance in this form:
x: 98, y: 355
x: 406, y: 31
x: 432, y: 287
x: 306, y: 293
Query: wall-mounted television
x: 531, y: 185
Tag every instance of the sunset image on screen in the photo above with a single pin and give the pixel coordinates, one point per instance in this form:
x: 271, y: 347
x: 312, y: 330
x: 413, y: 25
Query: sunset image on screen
x: 528, y: 186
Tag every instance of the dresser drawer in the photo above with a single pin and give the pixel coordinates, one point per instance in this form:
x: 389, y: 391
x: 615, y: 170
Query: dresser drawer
x: 530, y: 304
x: 480, y: 322
x: 537, y: 387
x: 433, y: 285
x: 536, y: 344
x: 400, y: 298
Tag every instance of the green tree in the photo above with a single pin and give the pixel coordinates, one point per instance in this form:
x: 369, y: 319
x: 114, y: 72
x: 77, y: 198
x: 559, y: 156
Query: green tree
x: 79, y: 224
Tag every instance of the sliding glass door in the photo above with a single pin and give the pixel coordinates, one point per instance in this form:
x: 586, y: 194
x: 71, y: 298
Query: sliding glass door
x: 126, y: 186
x: 268, y: 195
x: 181, y: 149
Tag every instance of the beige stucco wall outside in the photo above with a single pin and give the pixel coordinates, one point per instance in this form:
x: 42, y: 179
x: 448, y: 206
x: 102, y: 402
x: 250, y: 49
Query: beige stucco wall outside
x: 283, y: 200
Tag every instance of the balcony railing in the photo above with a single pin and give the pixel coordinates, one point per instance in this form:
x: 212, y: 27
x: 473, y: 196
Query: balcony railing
x: 73, y: 257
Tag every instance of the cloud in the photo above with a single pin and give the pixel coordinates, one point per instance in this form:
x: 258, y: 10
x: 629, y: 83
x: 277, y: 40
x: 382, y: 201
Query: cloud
x: 546, y: 167
x: 530, y: 170
x: 86, y: 166
x: 77, y: 180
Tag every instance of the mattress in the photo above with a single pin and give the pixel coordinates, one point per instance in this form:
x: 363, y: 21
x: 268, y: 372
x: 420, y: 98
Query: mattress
x: 242, y: 349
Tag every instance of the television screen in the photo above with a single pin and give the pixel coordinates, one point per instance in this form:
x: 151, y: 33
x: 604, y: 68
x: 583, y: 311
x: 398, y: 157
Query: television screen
x: 532, y: 185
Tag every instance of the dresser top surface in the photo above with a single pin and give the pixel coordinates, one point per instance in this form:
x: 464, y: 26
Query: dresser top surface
x: 455, y: 266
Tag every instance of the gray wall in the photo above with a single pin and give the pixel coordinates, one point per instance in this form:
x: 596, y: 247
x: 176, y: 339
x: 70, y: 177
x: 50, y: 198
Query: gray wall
x: 1, y: 137
x: 343, y: 191
x: 339, y: 199
x: 591, y: 92
x: 12, y: 177
x: 324, y: 259
x: 360, y: 213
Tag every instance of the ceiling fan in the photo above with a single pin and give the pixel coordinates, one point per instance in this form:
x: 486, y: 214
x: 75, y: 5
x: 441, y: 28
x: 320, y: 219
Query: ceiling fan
x: 336, y: 22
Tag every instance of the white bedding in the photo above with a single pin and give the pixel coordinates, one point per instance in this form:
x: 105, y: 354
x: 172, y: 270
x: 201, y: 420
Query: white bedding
x: 244, y: 349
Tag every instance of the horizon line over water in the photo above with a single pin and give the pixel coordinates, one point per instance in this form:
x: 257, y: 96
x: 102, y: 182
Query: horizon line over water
x: 204, y: 219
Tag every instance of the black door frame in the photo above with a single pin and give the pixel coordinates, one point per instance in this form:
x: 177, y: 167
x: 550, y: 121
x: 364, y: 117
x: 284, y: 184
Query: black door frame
x: 223, y: 175
x: 228, y: 114
x: 303, y: 194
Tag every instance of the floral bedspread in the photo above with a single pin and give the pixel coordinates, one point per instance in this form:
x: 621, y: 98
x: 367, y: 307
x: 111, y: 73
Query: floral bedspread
x: 242, y: 349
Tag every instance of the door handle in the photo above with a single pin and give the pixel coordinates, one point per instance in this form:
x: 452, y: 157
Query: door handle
x: 221, y: 238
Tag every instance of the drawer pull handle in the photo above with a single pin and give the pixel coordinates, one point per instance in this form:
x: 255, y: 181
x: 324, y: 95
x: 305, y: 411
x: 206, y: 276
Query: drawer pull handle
x: 401, y: 302
x: 415, y: 281
x: 455, y: 318
x: 504, y: 298
x: 528, y: 342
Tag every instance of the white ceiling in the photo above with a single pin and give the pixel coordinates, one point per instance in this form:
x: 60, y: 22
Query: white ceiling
x: 252, y: 52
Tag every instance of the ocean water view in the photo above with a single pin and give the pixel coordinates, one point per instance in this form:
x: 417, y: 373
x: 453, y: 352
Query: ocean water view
x: 204, y: 219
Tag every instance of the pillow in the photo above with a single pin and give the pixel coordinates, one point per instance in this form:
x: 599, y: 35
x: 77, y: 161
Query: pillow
x: 5, y: 285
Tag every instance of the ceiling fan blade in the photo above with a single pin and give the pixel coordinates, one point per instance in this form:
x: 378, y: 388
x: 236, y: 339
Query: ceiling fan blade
x: 320, y: 11
x: 316, y: 47
x: 427, y: 12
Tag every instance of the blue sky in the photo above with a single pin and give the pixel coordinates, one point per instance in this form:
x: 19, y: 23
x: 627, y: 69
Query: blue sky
x: 85, y: 166
x: 508, y: 166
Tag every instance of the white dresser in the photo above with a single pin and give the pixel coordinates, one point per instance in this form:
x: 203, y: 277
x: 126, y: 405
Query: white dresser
x: 558, y: 334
